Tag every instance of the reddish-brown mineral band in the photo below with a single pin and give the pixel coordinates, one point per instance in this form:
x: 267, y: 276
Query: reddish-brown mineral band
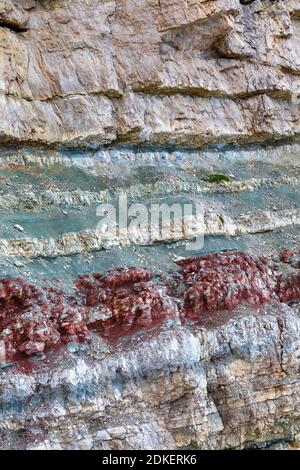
x: 33, y: 320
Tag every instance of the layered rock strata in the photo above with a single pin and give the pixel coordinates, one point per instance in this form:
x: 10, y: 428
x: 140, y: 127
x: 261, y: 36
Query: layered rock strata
x: 191, y: 348
x: 158, y: 72
x: 140, y: 340
x: 219, y: 386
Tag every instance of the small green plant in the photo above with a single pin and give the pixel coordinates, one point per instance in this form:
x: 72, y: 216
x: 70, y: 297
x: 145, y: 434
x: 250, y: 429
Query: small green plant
x: 217, y: 178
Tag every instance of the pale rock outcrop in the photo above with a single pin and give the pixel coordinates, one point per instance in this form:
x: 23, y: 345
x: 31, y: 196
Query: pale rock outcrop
x: 159, y: 72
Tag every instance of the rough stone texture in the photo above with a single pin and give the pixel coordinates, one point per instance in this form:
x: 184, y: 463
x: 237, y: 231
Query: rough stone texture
x: 230, y: 380
x: 125, y: 301
x: 154, y: 71
x: 228, y: 385
x: 166, y: 73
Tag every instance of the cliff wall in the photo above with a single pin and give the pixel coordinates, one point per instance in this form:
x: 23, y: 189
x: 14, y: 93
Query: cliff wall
x: 161, y: 72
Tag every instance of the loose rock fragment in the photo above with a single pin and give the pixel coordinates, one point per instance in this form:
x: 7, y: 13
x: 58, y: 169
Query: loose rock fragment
x: 19, y: 227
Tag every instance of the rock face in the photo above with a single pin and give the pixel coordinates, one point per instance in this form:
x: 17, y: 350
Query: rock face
x: 153, y: 71
x: 129, y: 300
x: 136, y: 339
x: 204, y: 354
x: 230, y: 385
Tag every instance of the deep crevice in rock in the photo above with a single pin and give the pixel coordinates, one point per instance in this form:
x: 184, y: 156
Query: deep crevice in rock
x: 13, y: 27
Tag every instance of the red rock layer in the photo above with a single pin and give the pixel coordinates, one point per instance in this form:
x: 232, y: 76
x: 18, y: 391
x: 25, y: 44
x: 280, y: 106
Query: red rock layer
x: 289, y: 287
x: 32, y: 320
x: 223, y: 281
x: 291, y: 258
x: 128, y: 297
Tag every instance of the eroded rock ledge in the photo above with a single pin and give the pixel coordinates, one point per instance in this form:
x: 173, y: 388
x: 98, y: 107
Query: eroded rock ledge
x: 160, y: 72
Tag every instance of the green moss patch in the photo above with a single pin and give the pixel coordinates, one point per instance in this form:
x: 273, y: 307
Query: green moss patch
x: 217, y: 178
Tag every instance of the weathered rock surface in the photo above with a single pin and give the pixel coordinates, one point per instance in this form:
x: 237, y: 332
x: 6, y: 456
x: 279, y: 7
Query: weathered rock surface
x: 174, y: 75
x: 161, y: 72
x: 178, y: 361
x: 228, y: 385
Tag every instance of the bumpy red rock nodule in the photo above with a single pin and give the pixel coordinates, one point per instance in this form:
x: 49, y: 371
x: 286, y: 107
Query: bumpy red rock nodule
x: 223, y: 281
x: 32, y: 320
x: 130, y: 298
